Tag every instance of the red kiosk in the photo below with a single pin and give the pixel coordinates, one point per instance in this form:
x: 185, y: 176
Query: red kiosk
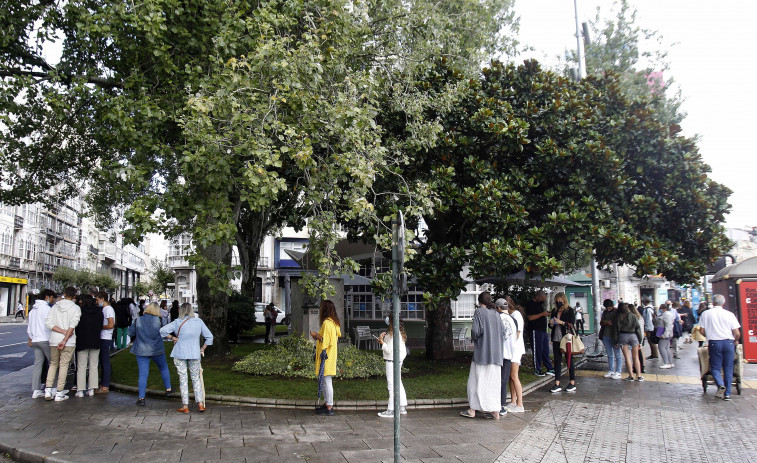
x: 738, y: 283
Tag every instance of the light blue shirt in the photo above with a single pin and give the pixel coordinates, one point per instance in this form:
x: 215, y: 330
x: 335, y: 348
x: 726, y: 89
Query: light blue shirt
x: 188, y: 345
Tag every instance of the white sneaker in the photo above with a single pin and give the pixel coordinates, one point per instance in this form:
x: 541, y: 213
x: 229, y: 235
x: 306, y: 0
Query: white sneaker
x: 90, y: 392
x: 403, y: 410
x: 517, y: 409
x: 79, y: 394
x: 666, y: 366
x: 37, y: 394
x: 386, y: 414
x: 617, y: 376
x: 49, y: 393
x: 60, y: 397
x: 609, y: 374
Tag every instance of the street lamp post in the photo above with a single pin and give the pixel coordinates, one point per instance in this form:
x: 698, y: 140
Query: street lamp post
x: 581, y: 75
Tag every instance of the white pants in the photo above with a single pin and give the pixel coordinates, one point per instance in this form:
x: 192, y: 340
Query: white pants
x: 87, y: 358
x: 484, y: 384
x: 328, y: 391
x: 390, y: 384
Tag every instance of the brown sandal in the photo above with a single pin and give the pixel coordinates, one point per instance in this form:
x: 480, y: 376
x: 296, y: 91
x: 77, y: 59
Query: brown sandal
x: 102, y: 390
x: 184, y: 409
x: 201, y: 407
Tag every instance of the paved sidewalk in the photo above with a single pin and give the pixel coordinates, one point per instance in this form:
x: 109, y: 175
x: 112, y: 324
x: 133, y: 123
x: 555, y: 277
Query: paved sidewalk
x: 604, y: 420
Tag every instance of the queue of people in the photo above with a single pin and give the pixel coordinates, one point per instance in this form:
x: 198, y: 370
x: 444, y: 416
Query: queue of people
x: 82, y: 329
x: 84, y: 325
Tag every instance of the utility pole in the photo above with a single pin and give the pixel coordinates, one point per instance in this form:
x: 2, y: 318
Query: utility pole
x: 398, y: 264
x: 581, y: 75
x: 579, y: 45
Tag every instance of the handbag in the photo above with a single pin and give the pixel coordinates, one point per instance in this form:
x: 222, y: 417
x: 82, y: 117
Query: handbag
x: 573, y: 340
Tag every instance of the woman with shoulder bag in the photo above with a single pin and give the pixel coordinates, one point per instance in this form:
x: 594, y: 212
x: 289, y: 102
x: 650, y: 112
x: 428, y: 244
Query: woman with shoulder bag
x: 147, y: 346
x: 628, y: 337
x: 666, y: 321
x: 187, y: 351
x: 562, y: 316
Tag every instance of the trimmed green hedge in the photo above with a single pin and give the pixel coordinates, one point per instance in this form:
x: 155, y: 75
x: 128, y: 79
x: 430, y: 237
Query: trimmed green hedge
x: 293, y: 357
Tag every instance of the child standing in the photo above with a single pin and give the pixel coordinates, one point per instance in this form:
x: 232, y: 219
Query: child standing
x: 387, y: 346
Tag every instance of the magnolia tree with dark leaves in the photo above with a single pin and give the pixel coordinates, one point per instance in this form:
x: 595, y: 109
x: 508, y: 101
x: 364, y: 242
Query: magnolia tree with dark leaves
x: 530, y: 166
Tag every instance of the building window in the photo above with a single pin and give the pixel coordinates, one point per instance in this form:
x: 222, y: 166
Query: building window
x: 411, y: 304
x: 6, y: 242
x: 464, y: 306
x: 362, y: 302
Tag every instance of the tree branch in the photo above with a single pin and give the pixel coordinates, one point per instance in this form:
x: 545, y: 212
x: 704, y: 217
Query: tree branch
x: 103, y: 82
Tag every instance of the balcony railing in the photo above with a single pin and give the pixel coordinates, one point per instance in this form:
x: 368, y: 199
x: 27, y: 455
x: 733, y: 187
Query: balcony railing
x: 18, y: 222
x: 263, y: 262
x: 178, y: 261
x: 15, y: 262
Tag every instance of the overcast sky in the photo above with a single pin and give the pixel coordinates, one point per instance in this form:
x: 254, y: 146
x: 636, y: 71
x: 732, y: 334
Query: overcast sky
x: 713, y: 62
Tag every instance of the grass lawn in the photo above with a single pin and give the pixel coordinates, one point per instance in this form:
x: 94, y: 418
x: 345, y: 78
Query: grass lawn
x: 259, y: 330
x: 426, y: 379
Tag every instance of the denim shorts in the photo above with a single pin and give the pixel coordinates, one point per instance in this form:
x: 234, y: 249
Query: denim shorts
x: 628, y: 339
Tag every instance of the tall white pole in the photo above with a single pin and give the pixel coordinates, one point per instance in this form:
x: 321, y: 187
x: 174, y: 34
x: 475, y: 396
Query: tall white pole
x: 594, y: 270
x: 579, y: 45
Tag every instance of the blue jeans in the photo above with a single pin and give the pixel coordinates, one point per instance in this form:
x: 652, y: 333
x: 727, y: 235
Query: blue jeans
x: 143, y: 364
x: 105, y: 361
x: 541, y: 350
x: 614, y: 355
x: 721, y: 356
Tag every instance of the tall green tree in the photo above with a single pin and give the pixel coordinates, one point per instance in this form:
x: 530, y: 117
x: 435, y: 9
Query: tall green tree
x: 531, y: 167
x: 515, y: 178
x: 161, y: 276
x: 144, y: 95
x: 637, y: 55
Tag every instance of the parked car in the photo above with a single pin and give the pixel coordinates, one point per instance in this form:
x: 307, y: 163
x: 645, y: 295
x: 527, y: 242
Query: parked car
x: 260, y: 320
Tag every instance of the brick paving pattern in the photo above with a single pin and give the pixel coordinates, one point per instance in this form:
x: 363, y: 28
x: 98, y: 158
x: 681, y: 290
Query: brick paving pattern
x: 666, y: 419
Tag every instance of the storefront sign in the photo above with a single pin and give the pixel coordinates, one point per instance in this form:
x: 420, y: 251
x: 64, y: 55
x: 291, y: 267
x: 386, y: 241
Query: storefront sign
x: 748, y: 315
x: 18, y: 281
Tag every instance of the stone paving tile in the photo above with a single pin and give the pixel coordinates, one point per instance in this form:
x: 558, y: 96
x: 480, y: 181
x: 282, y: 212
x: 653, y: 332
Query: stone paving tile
x: 313, y: 436
x: 168, y: 456
x: 226, y: 442
x: 248, y: 452
x: 476, y: 458
x: 196, y: 454
x: 322, y: 447
x: 360, y: 456
x: 418, y: 452
x: 453, y: 451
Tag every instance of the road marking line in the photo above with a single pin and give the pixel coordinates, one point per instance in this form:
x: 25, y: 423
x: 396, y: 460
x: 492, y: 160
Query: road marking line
x: 6, y: 332
x: 11, y: 345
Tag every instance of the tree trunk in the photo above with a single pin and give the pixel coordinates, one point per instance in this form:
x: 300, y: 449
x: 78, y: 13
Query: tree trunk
x: 213, y: 305
x: 252, y: 228
x: 439, y: 342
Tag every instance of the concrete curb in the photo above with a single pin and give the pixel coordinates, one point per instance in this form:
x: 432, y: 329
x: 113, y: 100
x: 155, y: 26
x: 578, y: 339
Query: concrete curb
x: 304, y: 404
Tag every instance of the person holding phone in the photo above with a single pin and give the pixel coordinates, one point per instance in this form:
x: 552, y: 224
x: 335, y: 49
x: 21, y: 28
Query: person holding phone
x: 387, y: 347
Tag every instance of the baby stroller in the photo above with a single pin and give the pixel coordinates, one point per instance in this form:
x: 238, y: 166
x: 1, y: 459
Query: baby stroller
x: 704, y: 367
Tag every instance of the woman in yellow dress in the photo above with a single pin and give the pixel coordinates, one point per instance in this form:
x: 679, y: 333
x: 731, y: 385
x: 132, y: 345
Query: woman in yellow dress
x: 326, y: 340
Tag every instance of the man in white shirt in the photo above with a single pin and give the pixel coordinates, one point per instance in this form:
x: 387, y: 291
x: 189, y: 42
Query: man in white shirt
x: 508, y: 349
x: 721, y: 328
x: 106, y: 340
x: 39, y: 340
